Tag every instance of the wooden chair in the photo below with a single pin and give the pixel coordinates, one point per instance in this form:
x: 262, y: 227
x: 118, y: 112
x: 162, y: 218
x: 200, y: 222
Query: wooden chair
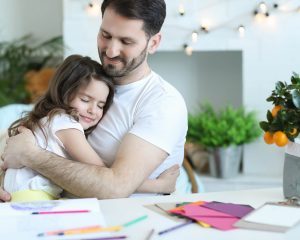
x: 3, y: 137
x: 190, y: 172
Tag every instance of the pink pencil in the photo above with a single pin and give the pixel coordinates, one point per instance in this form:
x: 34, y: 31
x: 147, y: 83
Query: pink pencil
x: 61, y: 212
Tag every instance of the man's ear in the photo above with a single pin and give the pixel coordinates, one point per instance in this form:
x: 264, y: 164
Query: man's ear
x: 154, y: 43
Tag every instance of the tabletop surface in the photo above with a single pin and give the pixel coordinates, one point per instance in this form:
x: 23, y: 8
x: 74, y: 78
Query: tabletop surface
x: 120, y: 211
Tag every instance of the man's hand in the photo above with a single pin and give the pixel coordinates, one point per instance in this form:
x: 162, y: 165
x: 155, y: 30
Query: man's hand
x: 18, y: 149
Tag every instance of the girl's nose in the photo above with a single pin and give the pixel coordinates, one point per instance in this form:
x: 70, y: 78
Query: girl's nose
x: 92, y: 108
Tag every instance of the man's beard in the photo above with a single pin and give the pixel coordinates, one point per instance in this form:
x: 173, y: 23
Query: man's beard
x: 128, y: 66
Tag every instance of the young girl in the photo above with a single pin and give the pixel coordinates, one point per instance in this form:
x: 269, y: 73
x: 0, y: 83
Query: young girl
x: 78, y: 96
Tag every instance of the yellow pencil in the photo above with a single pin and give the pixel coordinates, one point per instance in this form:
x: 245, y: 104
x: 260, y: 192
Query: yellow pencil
x: 83, y: 230
x: 91, y: 230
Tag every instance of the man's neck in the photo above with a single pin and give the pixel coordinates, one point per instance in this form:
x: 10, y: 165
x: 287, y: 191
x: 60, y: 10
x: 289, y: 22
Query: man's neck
x: 136, y: 75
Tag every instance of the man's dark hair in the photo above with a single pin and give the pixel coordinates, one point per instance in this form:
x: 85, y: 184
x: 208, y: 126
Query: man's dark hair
x: 151, y: 12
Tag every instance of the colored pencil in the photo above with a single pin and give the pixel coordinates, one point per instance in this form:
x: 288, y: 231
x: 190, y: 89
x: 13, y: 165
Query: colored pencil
x: 135, y: 221
x: 107, y: 238
x: 150, y: 234
x: 84, y: 230
x: 61, y: 212
x: 175, y: 227
x: 92, y: 229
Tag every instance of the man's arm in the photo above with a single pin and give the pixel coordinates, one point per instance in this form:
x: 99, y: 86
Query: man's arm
x: 136, y: 159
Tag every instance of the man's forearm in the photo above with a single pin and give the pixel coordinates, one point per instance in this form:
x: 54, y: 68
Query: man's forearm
x: 80, y: 179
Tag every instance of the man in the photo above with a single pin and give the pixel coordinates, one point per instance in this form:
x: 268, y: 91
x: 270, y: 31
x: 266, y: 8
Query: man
x: 144, y: 131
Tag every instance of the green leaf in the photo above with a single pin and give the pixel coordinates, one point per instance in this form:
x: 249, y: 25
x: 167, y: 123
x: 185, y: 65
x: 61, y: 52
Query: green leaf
x: 296, y: 97
x: 264, y: 126
x: 269, y: 116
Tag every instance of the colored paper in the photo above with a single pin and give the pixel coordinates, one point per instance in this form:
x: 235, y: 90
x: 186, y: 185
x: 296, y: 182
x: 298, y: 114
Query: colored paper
x: 214, y: 218
x: 217, y: 214
x: 194, y: 210
x: 237, y: 210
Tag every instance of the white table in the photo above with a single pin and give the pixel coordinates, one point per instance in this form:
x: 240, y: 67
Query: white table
x: 119, y: 211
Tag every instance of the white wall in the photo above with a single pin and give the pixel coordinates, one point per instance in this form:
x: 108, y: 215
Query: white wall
x: 43, y: 19
x: 214, y: 77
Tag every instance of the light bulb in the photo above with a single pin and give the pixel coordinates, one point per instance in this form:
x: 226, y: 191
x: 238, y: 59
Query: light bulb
x: 93, y: 8
x: 194, y: 36
x: 204, y: 28
x: 263, y: 8
x: 241, y: 30
x: 181, y: 9
x: 188, y: 50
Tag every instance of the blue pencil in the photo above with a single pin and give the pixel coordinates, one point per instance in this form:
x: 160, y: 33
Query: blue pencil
x: 175, y: 227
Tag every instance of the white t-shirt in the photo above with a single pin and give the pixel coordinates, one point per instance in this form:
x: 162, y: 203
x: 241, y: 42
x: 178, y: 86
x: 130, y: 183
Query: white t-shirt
x: 26, y: 178
x: 151, y: 109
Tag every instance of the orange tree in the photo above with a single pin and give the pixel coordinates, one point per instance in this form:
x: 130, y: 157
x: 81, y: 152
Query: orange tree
x: 284, y: 119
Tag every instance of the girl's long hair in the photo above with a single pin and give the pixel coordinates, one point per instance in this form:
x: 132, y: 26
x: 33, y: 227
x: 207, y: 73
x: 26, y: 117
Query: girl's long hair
x: 73, y: 73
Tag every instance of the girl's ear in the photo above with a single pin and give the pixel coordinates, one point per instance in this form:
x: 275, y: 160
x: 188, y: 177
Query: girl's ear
x: 154, y: 43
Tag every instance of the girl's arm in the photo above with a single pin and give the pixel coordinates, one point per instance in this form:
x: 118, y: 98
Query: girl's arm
x: 165, y: 183
x: 78, y: 147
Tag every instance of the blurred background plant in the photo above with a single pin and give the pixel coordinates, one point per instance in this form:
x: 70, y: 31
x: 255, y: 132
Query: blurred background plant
x: 229, y: 126
x: 223, y: 134
x: 283, y: 121
x: 20, y: 61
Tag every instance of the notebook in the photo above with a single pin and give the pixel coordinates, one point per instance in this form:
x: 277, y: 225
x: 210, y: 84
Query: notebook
x: 276, y: 217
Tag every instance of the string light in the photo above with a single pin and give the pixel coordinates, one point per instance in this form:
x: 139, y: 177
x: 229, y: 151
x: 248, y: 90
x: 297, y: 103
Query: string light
x: 93, y: 8
x: 194, y: 36
x: 181, y: 9
x: 204, y: 29
x: 188, y: 49
x: 241, y: 30
x: 263, y: 8
x: 262, y: 11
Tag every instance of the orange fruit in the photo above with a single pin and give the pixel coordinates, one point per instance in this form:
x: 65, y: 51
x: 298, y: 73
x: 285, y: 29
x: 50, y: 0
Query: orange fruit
x: 275, y: 110
x: 268, y: 137
x: 280, y: 138
x: 293, y: 131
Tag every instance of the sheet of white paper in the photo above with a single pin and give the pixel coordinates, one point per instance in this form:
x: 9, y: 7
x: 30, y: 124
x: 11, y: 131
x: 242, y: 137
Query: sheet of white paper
x: 17, y: 222
x: 26, y: 208
x: 284, y: 216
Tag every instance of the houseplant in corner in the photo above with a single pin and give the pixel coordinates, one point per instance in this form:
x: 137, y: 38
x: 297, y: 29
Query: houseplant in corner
x: 20, y: 59
x: 223, y: 133
x: 282, y: 128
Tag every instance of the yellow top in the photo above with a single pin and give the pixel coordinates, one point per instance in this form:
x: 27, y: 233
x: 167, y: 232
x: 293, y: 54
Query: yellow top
x: 30, y: 195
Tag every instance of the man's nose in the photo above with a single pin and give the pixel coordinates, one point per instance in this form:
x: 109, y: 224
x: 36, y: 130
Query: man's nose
x: 113, y: 49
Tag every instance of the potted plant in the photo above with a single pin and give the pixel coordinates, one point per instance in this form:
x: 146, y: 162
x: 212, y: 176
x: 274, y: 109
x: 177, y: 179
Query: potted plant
x: 282, y: 128
x: 21, y: 56
x: 223, y: 133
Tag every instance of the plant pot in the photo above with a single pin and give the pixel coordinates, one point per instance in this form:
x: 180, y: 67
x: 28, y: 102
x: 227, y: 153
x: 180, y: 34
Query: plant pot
x: 224, y: 162
x: 291, y: 171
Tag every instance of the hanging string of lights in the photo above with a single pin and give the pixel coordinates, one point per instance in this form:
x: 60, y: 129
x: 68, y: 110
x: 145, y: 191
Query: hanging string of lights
x: 262, y: 10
